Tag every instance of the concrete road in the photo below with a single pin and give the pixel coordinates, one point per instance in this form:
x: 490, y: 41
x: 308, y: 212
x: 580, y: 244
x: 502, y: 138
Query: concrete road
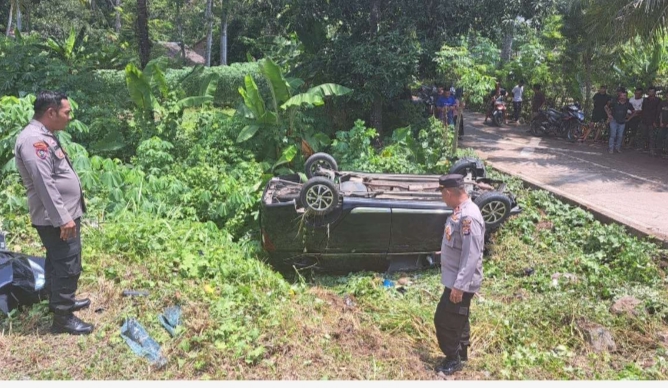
x: 630, y: 188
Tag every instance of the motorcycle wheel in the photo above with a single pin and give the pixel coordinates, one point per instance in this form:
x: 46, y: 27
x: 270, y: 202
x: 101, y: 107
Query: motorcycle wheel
x: 497, y: 118
x: 535, y: 128
x: 575, y: 132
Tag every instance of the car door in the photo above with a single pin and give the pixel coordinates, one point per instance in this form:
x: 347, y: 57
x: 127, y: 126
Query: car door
x: 363, y: 227
x: 417, y: 227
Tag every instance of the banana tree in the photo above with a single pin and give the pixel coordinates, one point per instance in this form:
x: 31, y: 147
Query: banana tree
x: 279, y: 117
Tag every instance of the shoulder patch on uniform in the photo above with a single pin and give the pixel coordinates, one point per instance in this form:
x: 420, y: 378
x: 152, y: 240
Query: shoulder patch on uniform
x: 466, y: 226
x: 41, y: 149
x: 41, y: 145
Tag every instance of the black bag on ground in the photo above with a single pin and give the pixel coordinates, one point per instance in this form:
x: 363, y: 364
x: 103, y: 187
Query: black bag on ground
x: 21, y: 280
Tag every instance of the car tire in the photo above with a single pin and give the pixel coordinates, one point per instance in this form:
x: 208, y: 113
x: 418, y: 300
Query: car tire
x: 465, y: 165
x: 319, y: 196
x: 494, y: 207
x: 317, y: 160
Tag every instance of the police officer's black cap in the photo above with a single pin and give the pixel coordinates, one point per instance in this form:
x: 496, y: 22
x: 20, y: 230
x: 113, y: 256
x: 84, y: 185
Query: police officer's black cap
x: 450, y: 181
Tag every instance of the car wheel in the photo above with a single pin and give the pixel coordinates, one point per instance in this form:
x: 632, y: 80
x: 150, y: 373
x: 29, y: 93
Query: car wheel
x: 319, y: 196
x: 466, y: 165
x: 317, y: 161
x: 494, y: 207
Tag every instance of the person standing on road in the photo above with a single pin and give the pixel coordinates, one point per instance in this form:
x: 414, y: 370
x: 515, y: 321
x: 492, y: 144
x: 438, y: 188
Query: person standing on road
x: 663, y: 126
x: 599, y: 113
x: 617, y: 113
x: 518, y: 90
x: 461, y: 267
x: 649, y: 122
x: 56, y: 204
x: 634, y: 119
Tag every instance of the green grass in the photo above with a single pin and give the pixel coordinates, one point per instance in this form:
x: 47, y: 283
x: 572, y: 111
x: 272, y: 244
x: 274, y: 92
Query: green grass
x: 243, y: 320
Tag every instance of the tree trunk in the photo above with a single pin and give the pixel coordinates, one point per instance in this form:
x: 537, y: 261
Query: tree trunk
x: 9, y: 22
x: 209, y: 32
x: 375, y: 16
x: 507, y: 49
x: 179, y: 24
x: 377, y: 106
x: 117, y: 27
x: 587, y: 68
x: 142, y: 32
x: 223, y: 40
x: 19, y: 19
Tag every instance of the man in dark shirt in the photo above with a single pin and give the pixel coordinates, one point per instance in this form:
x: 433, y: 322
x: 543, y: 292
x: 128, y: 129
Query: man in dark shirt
x: 649, y: 121
x: 538, y: 100
x: 663, y: 125
x: 617, y: 114
x: 601, y: 100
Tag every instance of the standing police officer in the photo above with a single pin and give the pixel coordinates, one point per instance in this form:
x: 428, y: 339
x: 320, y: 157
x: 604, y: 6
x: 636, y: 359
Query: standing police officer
x: 461, y: 272
x: 56, y: 204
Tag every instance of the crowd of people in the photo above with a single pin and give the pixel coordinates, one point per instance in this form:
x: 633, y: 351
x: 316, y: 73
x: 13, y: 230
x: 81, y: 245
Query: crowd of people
x: 640, y: 122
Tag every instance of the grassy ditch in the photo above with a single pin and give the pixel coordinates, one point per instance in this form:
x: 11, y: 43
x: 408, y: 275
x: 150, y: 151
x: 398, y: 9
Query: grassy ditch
x: 243, y: 320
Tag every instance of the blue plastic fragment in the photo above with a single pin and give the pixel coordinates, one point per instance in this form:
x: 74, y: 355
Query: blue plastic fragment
x: 141, y: 342
x: 388, y: 283
x: 170, y: 318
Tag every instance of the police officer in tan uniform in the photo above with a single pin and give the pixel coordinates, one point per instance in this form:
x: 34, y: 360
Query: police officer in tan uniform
x: 461, y: 272
x: 56, y: 204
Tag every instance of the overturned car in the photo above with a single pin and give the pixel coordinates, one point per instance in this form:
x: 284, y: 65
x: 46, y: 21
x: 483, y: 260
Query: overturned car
x: 342, y: 221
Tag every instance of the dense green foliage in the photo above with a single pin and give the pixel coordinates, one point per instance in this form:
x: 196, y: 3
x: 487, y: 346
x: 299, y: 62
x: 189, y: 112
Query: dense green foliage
x: 173, y: 160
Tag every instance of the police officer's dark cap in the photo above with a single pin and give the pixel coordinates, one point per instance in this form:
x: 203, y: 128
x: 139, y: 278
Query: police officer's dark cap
x: 450, y: 181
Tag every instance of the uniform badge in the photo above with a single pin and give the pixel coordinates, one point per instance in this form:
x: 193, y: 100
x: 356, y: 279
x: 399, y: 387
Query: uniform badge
x: 466, y: 226
x: 454, y: 217
x: 41, y: 149
x: 51, y: 142
x: 60, y: 154
x: 448, y: 232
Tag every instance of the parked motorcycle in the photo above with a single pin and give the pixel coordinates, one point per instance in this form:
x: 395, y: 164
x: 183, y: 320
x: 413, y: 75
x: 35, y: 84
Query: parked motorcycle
x: 566, y: 123
x: 499, y: 111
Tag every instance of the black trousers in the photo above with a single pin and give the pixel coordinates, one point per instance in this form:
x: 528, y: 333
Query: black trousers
x: 517, y: 109
x: 452, y: 323
x: 461, y: 125
x: 62, y: 268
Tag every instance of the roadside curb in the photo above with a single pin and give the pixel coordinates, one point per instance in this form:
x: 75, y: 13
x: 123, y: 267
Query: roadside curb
x: 599, y: 214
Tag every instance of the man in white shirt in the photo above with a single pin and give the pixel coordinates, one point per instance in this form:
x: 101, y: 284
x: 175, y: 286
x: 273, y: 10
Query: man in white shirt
x: 517, y: 99
x: 634, y: 119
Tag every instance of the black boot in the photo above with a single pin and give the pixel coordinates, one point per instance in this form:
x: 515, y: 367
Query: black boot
x: 78, y: 305
x: 464, y: 353
x: 69, y: 323
x: 450, y: 365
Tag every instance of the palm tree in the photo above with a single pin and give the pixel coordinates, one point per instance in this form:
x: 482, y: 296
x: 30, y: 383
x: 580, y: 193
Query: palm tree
x: 621, y: 20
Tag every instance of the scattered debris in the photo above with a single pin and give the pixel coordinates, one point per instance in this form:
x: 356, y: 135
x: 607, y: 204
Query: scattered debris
x: 598, y: 337
x: 349, y: 301
x: 528, y: 271
x: 99, y: 310
x: 388, y: 283
x: 404, y: 281
x: 569, y: 278
x: 625, y: 305
x: 134, y: 293
x: 141, y: 342
x: 402, y: 290
x: 170, y: 319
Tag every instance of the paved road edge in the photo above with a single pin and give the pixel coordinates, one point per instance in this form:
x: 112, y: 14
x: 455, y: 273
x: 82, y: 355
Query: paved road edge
x: 599, y: 214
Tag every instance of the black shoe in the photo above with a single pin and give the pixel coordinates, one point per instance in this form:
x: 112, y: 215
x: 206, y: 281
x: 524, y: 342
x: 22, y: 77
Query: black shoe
x: 450, y: 366
x: 78, y: 305
x: 464, y: 353
x: 69, y: 323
